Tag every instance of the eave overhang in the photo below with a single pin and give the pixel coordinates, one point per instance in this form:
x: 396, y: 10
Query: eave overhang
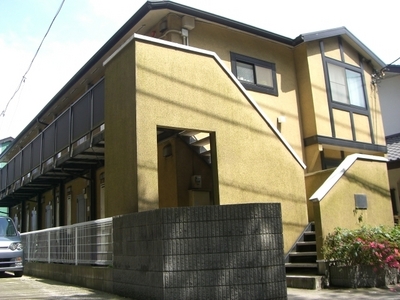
x: 346, y: 35
x: 146, y: 17
x: 150, y: 12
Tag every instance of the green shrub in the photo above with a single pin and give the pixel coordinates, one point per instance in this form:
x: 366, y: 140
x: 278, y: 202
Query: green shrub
x: 378, y: 246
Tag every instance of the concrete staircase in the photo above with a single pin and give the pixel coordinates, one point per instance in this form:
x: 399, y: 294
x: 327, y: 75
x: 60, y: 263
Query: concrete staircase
x: 198, y: 141
x: 301, y: 262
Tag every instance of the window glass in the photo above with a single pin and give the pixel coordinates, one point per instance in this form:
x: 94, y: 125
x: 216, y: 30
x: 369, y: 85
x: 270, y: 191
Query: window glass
x: 346, y: 85
x: 356, y: 93
x: 7, y: 227
x: 264, y: 76
x: 338, y: 83
x: 245, y: 72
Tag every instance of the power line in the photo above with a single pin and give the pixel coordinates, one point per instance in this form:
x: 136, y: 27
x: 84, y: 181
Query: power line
x: 393, y: 62
x: 2, y: 114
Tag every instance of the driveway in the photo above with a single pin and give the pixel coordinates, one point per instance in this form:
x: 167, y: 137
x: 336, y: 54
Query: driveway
x: 32, y: 288
x: 27, y: 287
x: 356, y: 294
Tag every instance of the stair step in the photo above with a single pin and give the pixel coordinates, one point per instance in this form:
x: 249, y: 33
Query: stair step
x: 202, y: 142
x: 309, y: 236
x: 301, y: 265
x: 189, y: 132
x: 206, y: 153
x: 305, y: 253
x: 305, y: 282
x: 304, y: 243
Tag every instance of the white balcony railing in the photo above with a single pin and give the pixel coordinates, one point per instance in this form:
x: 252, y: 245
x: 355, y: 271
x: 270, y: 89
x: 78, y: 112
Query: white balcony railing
x: 88, y: 243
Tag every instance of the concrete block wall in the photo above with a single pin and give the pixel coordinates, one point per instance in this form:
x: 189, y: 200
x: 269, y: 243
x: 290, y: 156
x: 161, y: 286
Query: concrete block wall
x: 207, y: 252
x: 138, y: 260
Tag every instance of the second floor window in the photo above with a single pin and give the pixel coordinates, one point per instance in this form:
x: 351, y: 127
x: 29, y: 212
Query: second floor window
x: 255, y: 74
x: 346, y: 85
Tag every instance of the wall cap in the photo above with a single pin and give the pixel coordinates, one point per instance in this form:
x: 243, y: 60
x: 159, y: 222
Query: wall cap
x: 339, y: 172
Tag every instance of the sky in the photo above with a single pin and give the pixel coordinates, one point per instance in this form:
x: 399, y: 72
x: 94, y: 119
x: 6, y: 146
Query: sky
x: 83, y: 26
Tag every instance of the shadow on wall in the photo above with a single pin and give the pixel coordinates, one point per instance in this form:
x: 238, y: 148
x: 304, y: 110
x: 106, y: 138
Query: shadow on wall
x: 213, y: 252
x: 368, y: 185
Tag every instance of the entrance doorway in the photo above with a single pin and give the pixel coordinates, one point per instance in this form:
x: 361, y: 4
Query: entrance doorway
x: 187, y: 168
x: 81, y: 214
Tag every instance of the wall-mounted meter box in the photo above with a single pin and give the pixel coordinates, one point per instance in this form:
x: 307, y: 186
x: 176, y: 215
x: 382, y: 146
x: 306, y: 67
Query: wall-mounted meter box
x: 196, y: 182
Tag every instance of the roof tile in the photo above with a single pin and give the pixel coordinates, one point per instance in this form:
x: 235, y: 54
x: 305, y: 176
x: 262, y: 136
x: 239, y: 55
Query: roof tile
x: 393, y: 147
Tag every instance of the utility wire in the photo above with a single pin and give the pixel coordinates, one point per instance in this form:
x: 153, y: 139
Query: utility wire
x: 392, y: 63
x: 2, y: 114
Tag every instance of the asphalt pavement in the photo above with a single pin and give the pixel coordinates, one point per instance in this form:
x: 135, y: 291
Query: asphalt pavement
x: 392, y: 292
x: 28, y: 287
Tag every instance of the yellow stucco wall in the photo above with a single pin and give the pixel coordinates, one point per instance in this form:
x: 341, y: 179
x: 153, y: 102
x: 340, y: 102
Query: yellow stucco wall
x: 394, y: 178
x: 363, y: 133
x: 319, y: 105
x: 351, y: 56
x: 337, y: 208
x: 375, y: 109
x: 314, y: 105
x: 342, y: 124
x: 77, y: 187
x: 313, y: 183
x: 305, y: 91
x: 168, y: 189
x: 331, y: 47
x: 175, y: 173
x: 47, y: 199
x: 223, y: 41
x: 120, y: 134
x: 313, y: 159
x: 30, y: 206
x: 178, y: 89
x: 394, y: 183
x: 331, y: 153
x: 98, y: 182
x: 318, y: 87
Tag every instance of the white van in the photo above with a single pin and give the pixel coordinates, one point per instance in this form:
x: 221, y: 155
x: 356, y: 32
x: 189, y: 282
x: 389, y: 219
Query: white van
x: 11, y: 250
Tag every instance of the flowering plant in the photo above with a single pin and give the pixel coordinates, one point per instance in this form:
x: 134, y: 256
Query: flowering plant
x: 376, y: 246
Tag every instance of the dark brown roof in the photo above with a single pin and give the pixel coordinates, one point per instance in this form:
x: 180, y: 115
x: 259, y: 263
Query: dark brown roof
x: 393, y: 147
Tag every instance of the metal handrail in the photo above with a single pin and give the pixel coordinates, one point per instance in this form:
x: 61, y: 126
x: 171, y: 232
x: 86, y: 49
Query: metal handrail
x: 88, y: 243
x: 10, y: 175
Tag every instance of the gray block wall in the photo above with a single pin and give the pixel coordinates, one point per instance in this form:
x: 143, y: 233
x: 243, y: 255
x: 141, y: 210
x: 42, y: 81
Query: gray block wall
x: 207, y: 252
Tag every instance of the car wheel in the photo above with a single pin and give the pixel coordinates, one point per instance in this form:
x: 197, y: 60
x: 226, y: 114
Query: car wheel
x: 18, y: 273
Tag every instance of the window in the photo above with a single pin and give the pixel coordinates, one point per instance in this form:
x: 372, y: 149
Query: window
x: 255, y: 74
x: 346, y: 85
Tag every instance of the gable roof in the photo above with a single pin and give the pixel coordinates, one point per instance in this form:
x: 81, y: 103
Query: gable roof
x: 161, y: 4
x: 156, y: 9
x: 346, y: 35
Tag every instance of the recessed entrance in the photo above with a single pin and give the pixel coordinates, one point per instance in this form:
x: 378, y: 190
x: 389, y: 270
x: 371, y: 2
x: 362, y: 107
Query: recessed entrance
x: 187, y: 172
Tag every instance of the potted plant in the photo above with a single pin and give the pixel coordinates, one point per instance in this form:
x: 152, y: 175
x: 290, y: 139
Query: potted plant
x: 364, y: 257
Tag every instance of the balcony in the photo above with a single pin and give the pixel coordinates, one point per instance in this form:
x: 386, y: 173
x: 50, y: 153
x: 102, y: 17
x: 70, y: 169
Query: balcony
x: 67, y: 148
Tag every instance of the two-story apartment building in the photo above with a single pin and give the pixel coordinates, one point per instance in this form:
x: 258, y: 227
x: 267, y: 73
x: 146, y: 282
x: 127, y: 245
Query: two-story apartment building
x: 182, y: 107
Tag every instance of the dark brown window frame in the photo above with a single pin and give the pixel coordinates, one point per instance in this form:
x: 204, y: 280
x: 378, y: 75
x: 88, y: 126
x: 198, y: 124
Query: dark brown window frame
x: 255, y: 62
